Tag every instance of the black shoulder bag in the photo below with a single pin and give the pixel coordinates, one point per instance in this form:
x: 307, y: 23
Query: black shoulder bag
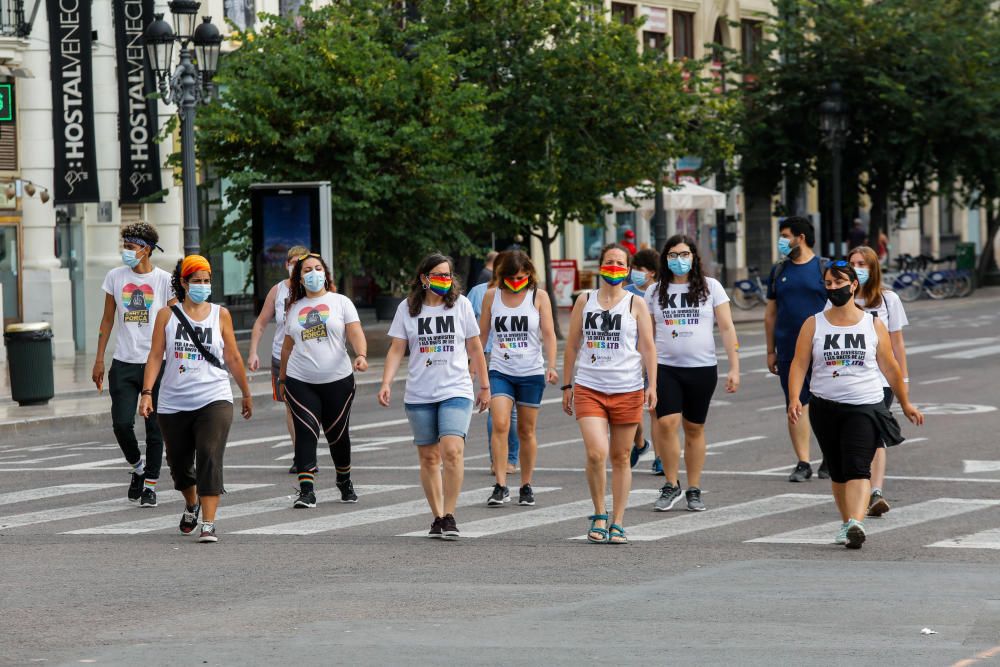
x: 193, y: 336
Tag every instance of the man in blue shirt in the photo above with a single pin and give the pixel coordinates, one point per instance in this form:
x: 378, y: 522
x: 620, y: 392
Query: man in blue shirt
x: 795, y: 292
x: 476, y: 295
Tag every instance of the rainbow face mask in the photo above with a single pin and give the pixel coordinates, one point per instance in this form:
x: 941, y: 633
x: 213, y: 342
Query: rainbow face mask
x: 515, y: 285
x: 439, y: 286
x: 613, y: 275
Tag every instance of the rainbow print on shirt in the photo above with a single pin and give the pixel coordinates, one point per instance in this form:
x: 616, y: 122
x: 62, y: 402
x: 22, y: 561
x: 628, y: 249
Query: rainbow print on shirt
x: 137, y: 300
x: 313, y: 321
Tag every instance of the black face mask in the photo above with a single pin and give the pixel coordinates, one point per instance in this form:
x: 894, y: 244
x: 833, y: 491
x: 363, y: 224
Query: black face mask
x: 838, y: 297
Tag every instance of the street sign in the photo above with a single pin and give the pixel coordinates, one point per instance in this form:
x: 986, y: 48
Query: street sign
x: 6, y: 102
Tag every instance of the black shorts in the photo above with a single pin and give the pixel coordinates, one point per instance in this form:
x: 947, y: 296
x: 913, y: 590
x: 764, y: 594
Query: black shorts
x: 887, y: 398
x: 685, y: 390
x: 783, y: 369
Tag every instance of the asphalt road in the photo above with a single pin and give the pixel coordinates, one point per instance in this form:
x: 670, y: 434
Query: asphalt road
x: 89, y: 578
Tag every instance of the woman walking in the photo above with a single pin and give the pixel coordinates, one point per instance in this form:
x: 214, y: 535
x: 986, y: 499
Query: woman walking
x: 195, y: 408
x: 645, y: 265
x: 317, y: 374
x: 274, y: 309
x: 686, y: 305
x: 611, y: 336
x: 518, y: 317
x: 888, y: 308
x: 846, y: 349
x: 437, y: 324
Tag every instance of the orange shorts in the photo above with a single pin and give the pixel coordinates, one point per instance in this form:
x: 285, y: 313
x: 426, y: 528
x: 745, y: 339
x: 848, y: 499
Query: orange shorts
x: 616, y: 408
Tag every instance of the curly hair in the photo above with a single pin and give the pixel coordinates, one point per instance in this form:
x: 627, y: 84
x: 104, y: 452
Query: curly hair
x: 175, y: 282
x: 298, y: 290
x: 697, y: 285
x: 512, y: 262
x: 418, y: 293
x: 142, y: 230
x: 647, y: 259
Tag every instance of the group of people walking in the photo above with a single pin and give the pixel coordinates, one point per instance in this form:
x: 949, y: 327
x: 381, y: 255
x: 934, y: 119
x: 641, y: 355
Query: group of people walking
x: 633, y: 346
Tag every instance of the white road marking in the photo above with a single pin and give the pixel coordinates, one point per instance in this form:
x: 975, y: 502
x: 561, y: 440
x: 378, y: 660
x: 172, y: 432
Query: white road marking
x: 50, y: 492
x: 947, y: 379
x: 980, y: 466
x: 363, y: 517
x: 786, y: 468
x: 103, y: 507
x: 517, y: 518
x: 937, y: 347
x: 557, y: 443
x: 689, y: 522
x: 728, y: 443
x: 227, y: 512
x: 772, y: 407
x: 986, y: 539
x: 902, y: 517
x: 45, y: 458
x: 971, y: 354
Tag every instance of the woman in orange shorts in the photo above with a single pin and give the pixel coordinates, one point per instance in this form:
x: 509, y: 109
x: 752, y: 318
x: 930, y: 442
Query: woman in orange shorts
x: 612, y: 334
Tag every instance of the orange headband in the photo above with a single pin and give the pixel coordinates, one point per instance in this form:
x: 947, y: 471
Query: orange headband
x: 194, y: 263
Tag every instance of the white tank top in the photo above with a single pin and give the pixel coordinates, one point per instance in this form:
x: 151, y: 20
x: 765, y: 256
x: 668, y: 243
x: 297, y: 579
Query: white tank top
x: 844, y: 364
x: 189, y: 382
x: 280, y: 301
x: 517, y: 347
x: 609, y: 360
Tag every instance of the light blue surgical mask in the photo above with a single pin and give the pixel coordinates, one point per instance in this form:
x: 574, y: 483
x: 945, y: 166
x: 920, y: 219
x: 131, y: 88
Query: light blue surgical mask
x: 638, y: 277
x: 199, y: 292
x: 862, y: 275
x: 314, y: 280
x: 129, y: 259
x: 678, y: 266
x: 784, y: 246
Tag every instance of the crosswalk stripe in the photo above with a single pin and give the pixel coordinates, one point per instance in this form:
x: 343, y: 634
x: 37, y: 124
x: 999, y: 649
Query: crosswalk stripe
x: 103, y: 507
x: 970, y: 354
x: 986, y: 539
x: 937, y: 347
x: 901, y: 517
x: 402, y: 510
x: 50, y: 492
x: 690, y: 522
x: 227, y: 512
x: 515, y: 519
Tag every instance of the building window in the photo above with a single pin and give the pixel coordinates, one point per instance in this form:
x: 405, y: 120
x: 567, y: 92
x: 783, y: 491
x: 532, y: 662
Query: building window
x: 683, y: 35
x: 654, y: 41
x: 623, y: 12
x: 946, y: 217
x: 593, y: 239
x: 751, y: 38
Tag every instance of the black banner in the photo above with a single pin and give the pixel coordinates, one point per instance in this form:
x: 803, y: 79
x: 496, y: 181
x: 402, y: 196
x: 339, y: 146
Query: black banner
x: 72, y: 101
x: 139, y: 176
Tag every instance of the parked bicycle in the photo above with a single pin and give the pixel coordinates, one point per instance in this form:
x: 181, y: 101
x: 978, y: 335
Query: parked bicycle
x: 917, y: 276
x: 750, y: 292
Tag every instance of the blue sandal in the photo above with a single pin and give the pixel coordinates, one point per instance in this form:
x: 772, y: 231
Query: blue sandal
x: 603, y: 532
x: 616, y: 531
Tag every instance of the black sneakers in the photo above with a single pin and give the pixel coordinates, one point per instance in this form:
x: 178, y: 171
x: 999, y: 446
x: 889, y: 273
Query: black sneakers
x: 501, y: 495
x: 435, y: 530
x: 347, y: 494
x: 449, y: 530
x: 823, y: 472
x: 802, y: 472
x: 526, y: 496
x: 148, y: 498
x: 305, y: 499
x: 135, y: 487
x: 189, y: 519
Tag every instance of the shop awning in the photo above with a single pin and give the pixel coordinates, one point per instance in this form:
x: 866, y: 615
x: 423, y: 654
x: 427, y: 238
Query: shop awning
x: 687, y: 196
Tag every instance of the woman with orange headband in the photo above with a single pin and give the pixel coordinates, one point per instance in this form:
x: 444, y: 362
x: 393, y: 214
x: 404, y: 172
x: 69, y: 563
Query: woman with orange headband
x: 195, y: 408
x: 519, y: 317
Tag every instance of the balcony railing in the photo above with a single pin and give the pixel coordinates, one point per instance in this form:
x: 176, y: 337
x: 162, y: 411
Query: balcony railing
x: 12, y: 19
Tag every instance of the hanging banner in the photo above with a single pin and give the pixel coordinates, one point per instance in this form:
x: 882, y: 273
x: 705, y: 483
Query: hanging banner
x: 139, y: 176
x: 72, y: 102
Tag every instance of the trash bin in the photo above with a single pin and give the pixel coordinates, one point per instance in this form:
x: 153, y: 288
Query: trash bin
x: 29, y: 362
x: 965, y: 256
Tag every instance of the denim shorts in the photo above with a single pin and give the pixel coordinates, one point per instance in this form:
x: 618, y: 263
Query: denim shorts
x: 432, y: 421
x: 526, y: 391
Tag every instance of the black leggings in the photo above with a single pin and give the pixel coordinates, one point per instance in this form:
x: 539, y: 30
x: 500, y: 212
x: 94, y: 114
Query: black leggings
x: 848, y: 440
x: 326, y: 408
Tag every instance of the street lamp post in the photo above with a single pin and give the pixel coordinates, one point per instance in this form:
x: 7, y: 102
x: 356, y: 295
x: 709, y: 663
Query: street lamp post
x: 833, y: 123
x: 188, y: 85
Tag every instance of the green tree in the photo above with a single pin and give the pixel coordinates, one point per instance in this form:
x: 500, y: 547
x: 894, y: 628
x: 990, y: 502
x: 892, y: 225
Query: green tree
x: 342, y: 94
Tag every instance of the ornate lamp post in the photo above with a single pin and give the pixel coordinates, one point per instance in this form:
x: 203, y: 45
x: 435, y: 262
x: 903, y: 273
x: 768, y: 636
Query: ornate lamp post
x: 188, y: 85
x: 833, y: 123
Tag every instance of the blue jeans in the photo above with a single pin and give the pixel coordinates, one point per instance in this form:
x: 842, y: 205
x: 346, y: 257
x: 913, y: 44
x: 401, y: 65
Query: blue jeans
x: 513, y: 443
x: 432, y: 421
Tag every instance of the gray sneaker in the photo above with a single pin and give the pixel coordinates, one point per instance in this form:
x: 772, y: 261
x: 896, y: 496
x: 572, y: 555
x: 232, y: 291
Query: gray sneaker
x: 877, y: 504
x: 802, y: 472
x: 693, y: 495
x: 669, y: 495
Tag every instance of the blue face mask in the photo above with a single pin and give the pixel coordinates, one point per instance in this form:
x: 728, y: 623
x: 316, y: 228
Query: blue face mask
x: 784, y: 246
x: 862, y: 275
x: 314, y: 280
x: 679, y: 267
x: 129, y: 259
x: 638, y: 277
x: 199, y: 293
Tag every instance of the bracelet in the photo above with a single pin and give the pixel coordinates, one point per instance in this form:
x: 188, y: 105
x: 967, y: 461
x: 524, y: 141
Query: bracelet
x: 361, y: 355
x: 906, y: 380
x: 566, y: 386
x: 486, y: 388
x: 146, y: 392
